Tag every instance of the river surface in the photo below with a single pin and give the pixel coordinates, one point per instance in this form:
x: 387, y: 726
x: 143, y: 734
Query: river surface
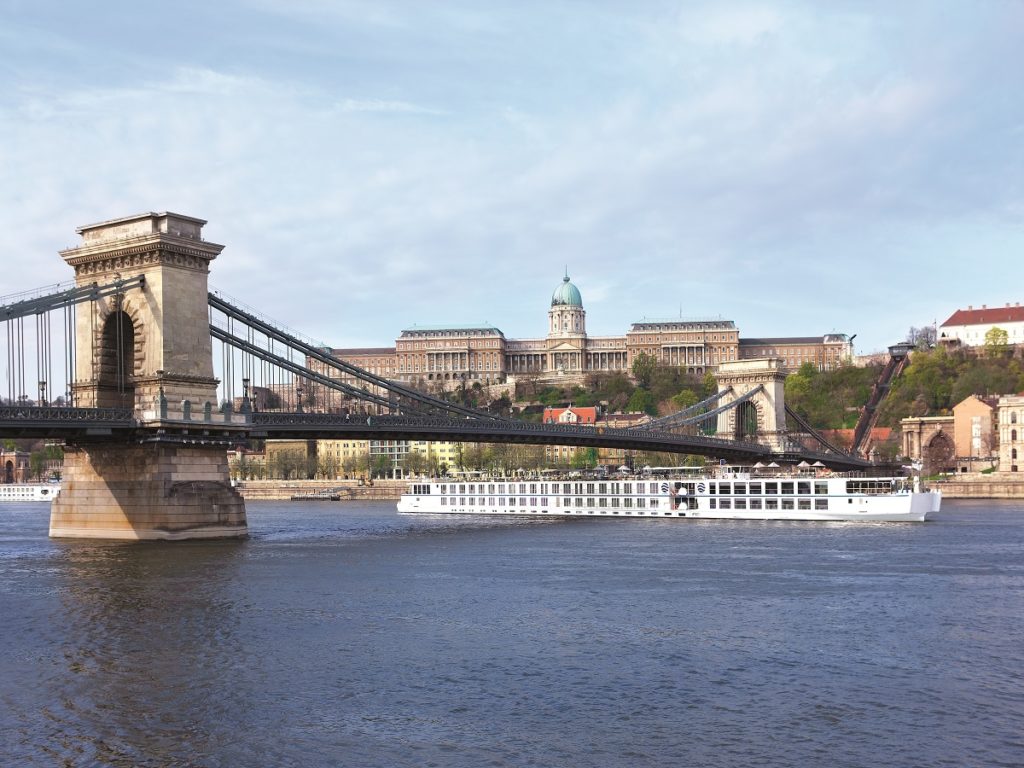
x: 346, y: 634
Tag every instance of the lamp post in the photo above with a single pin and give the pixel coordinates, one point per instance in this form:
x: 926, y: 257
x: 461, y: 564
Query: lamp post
x: 298, y: 398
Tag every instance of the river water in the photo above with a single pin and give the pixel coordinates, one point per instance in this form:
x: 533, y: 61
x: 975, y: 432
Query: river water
x: 346, y: 634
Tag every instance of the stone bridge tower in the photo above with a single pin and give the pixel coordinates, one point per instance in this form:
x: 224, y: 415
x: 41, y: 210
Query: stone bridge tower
x: 763, y: 417
x: 148, y: 349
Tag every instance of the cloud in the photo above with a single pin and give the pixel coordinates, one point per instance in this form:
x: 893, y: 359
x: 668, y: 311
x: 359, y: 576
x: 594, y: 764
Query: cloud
x: 705, y: 161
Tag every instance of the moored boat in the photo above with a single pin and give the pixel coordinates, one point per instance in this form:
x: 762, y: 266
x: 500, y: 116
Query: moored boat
x: 27, y: 492
x: 728, y: 494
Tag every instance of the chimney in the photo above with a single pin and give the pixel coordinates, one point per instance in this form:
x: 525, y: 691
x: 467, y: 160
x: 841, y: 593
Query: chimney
x: 984, y: 306
x: 969, y: 308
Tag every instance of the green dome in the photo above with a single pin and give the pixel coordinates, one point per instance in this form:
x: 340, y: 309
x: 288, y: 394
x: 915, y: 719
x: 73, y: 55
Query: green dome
x: 566, y: 294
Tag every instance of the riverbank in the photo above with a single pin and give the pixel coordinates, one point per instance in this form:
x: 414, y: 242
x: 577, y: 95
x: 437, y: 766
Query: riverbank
x: 346, y: 490
x: 979, y: 486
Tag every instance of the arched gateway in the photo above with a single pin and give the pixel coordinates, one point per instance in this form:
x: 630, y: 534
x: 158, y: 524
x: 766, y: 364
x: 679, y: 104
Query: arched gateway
x: 763, y: 415
x: 141, y: 350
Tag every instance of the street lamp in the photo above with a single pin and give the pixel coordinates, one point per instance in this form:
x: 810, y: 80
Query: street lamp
x: 298, y: 398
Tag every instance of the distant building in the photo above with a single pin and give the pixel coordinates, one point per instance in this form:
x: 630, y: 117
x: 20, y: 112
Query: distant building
x: 1010, y: 416
x: 974, y: 433
x: 447, y: 357
x: 570, y: 415
x: 14, y: 466
x: 969, y: 326
x: 823, y: 352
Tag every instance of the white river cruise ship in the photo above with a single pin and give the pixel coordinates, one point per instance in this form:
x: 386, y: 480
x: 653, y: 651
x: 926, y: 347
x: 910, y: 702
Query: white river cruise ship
x: 25, y: 492
x: 730, y: 494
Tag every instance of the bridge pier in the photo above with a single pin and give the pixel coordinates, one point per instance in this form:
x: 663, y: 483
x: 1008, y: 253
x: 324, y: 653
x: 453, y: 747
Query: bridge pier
x: 145, y: 492
x: 144, y: 349
x: 763, y: 416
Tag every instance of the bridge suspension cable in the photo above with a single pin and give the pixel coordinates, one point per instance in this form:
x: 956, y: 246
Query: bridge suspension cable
x: 293, y: 344
x: 249, y: 348
x: 810, y: 431
x: 31, y: 373
x: 683, y: 416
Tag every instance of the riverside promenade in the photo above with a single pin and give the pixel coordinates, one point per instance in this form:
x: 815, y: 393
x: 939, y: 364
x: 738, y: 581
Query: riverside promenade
x: 269, y: 490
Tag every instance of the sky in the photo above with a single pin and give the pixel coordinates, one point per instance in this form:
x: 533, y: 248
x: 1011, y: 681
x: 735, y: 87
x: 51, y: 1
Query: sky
x: 796, y: 167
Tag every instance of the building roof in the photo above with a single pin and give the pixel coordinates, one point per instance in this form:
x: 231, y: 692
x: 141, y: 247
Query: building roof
x: 682, y: 324
x: 357, y: 351
x: 986, y: 315
x: 484, y: 329
x: 780, y: 341
x: 566, y: 294
x: 586, y: 415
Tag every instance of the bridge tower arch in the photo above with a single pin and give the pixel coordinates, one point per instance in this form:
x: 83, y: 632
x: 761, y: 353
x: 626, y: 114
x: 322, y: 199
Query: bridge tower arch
x: 146, y: 349
x: 762, y: 418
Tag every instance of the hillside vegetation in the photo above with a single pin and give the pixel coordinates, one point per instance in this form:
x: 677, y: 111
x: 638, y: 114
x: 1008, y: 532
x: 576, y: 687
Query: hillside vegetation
x: 938, y: 379
x: 830, y: 399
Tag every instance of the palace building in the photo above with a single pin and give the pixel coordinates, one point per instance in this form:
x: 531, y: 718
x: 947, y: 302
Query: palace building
x: 448, y: 356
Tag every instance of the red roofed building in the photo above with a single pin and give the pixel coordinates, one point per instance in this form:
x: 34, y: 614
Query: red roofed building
x: 969, y: 326
x: 570, y: 415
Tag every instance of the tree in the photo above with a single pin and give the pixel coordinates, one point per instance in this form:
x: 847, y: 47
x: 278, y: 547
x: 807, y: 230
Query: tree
x: 643, y: 369
x: 583, y: 458
x: 684, y: 399
x: 923, y: 337
x: 642, y: 401
x: 414, y: 463
x: 997, y: 341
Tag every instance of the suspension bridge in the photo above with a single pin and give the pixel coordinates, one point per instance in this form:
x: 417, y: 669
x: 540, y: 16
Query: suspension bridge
x: 148, y: 377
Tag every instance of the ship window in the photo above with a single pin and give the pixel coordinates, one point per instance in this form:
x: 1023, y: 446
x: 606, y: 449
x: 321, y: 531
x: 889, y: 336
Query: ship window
x: 444, y: 489
x: 755, y: 489
x: 771, y: 503
x: 522, y: 487
x: 602, y: 487
x: 641, y: 501
x: 787, y: 504
x: 490, y: 501
x: 579, y: 502
x: 462, y: 489
x: 724, y: 489
x: 821, y: 503
x: 544, y: 501
x: 627, y: 502
x: 627, y: 487
x: 804, y: 504
x: 490, y: 488
x: 462, y: 501
x: 602, y: 502
x: 590, y: 487
x: 711, y: 488
x: 787, y: 488
x: 755, y: 503
x: 740, y: 489
x: 712, y: 503
x: 615, y: 501
x: 821, y: 489
x: 533, y: 501
x: 771, y: 489
x: 726, y: 504
x: 654, y: 503
x: 654, y: 487
x: 741, y: 503
x: 567, y: 488
x: 590, y: 501
x: 533, y: 487
x: 803, y: 487
x: 472, y: 488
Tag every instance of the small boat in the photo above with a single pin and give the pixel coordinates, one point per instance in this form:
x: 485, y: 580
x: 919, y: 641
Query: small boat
x: 27, y: 492
x: 728, y: 493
